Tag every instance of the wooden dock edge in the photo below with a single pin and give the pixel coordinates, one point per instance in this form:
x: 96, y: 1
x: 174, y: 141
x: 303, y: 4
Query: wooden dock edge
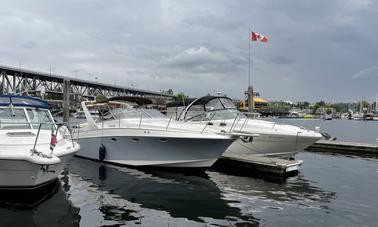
x: 253, y: 164
x: 344, y: 147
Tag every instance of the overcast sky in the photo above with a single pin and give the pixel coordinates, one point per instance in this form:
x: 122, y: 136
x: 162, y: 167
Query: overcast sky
x: 317, y: 50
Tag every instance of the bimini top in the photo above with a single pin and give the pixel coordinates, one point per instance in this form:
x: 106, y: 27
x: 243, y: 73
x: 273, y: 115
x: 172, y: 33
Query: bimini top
x: 225, y: 102
x: 6, y: 100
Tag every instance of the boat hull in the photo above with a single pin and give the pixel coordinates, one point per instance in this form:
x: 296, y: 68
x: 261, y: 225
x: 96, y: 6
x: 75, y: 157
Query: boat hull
x: 21, y: 174
x: 275, y: 146
x: 155, y: 151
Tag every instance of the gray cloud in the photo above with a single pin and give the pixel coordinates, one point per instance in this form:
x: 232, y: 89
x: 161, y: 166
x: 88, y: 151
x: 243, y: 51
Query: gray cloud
x: 365, y: 73
x: 314, y: 48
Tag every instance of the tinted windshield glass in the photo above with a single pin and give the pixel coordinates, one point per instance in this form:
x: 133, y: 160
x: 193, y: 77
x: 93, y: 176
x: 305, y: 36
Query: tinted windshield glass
x: 38, y: 116
x: 214, y: 104
x: 13, y: 118
x: 194, y: 111
x: 154, y: 113
x: 4, y: 101
x: 136, y: 113
x: 227, y: 103
x: 217, y: 115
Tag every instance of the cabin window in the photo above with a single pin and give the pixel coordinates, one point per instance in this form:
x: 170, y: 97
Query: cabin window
x: 13, y: 118
x: 38, y: 116
x: 194, y: 111
x: 214, y: 104
x: 228, y: 104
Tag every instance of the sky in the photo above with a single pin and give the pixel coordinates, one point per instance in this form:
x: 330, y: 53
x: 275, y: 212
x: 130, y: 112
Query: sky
x: 317, y: 50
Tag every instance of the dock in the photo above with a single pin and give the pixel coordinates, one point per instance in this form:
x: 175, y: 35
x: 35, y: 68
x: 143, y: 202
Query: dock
x: 344, y: 147
x: 255, y: 164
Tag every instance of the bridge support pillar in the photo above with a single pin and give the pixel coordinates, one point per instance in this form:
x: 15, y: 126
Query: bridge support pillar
x: 66, y: 101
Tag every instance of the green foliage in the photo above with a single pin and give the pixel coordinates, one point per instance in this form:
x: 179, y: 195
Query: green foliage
x: 319, y: 105
x: 101, y: 98
x: 279, y: 106
x: 180, y: 97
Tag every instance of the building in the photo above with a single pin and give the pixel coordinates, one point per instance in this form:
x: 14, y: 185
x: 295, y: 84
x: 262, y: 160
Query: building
x: 259, y: 104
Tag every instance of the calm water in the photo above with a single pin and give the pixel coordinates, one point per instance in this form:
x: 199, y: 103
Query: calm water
x: 330, y: 190
x: 344, y: 130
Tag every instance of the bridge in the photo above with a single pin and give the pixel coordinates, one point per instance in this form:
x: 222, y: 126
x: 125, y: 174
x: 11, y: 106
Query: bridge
x: 19, y: 80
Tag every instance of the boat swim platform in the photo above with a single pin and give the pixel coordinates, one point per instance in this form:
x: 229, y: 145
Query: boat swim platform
x: 256, y: 164
x: 344, y: 147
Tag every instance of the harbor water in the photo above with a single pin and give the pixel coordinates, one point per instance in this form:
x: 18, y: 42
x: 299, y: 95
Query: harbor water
x: 329, y: 190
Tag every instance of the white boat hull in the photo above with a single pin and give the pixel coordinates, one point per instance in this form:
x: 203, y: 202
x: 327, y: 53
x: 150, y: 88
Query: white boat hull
x: 277, y: 146
x: 276, y: 141
x: 162, y: 151
x: 23, y: 174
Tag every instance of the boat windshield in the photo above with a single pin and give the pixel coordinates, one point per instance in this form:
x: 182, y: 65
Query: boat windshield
x: 13, y: 118
x: 38, y: 116
x: 18, y: 118
x: 215, y: 115
x: 130, y: 113
x: 215, y: 109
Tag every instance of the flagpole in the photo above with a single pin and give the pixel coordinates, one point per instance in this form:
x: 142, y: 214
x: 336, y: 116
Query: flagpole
x: 249, y: 57
x: 250, y: 88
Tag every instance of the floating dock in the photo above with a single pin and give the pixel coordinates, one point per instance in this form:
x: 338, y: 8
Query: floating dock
x: 344, y: 147
x: 260, y: 164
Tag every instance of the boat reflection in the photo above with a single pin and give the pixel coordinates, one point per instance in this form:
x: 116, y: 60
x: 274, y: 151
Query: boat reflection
x: 293, y: 191
x: 182, y: 196
x: 46, y: 209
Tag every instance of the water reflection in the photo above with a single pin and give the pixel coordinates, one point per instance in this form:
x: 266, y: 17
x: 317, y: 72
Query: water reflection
x: 258, y: 194
x: 53, y: 210
x: 132, y: 194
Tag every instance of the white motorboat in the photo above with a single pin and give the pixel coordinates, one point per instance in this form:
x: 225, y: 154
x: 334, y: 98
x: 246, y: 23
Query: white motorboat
x: 133, y: 136
x: 32, y: 148
x: 273, y: 140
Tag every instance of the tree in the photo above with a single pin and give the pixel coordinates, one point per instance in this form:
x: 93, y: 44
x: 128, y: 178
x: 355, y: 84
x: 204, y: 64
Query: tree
x: 101, y: 98
x: 180, y: 97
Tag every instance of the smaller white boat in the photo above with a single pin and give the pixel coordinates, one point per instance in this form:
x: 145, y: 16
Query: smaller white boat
x: 33, y: 149
x: 261, y: 138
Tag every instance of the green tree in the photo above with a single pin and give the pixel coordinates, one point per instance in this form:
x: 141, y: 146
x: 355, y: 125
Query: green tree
x: 180, y: 97
x: 101, y: 98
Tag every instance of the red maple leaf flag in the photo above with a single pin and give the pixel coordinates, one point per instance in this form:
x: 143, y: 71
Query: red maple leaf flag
x: 258, y: 37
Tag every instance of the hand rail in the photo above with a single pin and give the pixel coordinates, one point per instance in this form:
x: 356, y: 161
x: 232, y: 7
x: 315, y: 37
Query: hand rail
x: 244, y: 123
x: 208, y: 122
x: 237, y: 116
x: 237, y: 121
x: 140, y: 121
x: 36, y: 139
x: 169, y: 122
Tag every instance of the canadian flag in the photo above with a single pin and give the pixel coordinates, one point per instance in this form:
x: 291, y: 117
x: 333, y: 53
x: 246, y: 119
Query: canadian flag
x: 257, y: 37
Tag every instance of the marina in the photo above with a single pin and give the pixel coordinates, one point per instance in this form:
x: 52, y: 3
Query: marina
x: 92, y: 193
x: 136, y: 166
x: 323, y: 193
x: 188, y: 113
